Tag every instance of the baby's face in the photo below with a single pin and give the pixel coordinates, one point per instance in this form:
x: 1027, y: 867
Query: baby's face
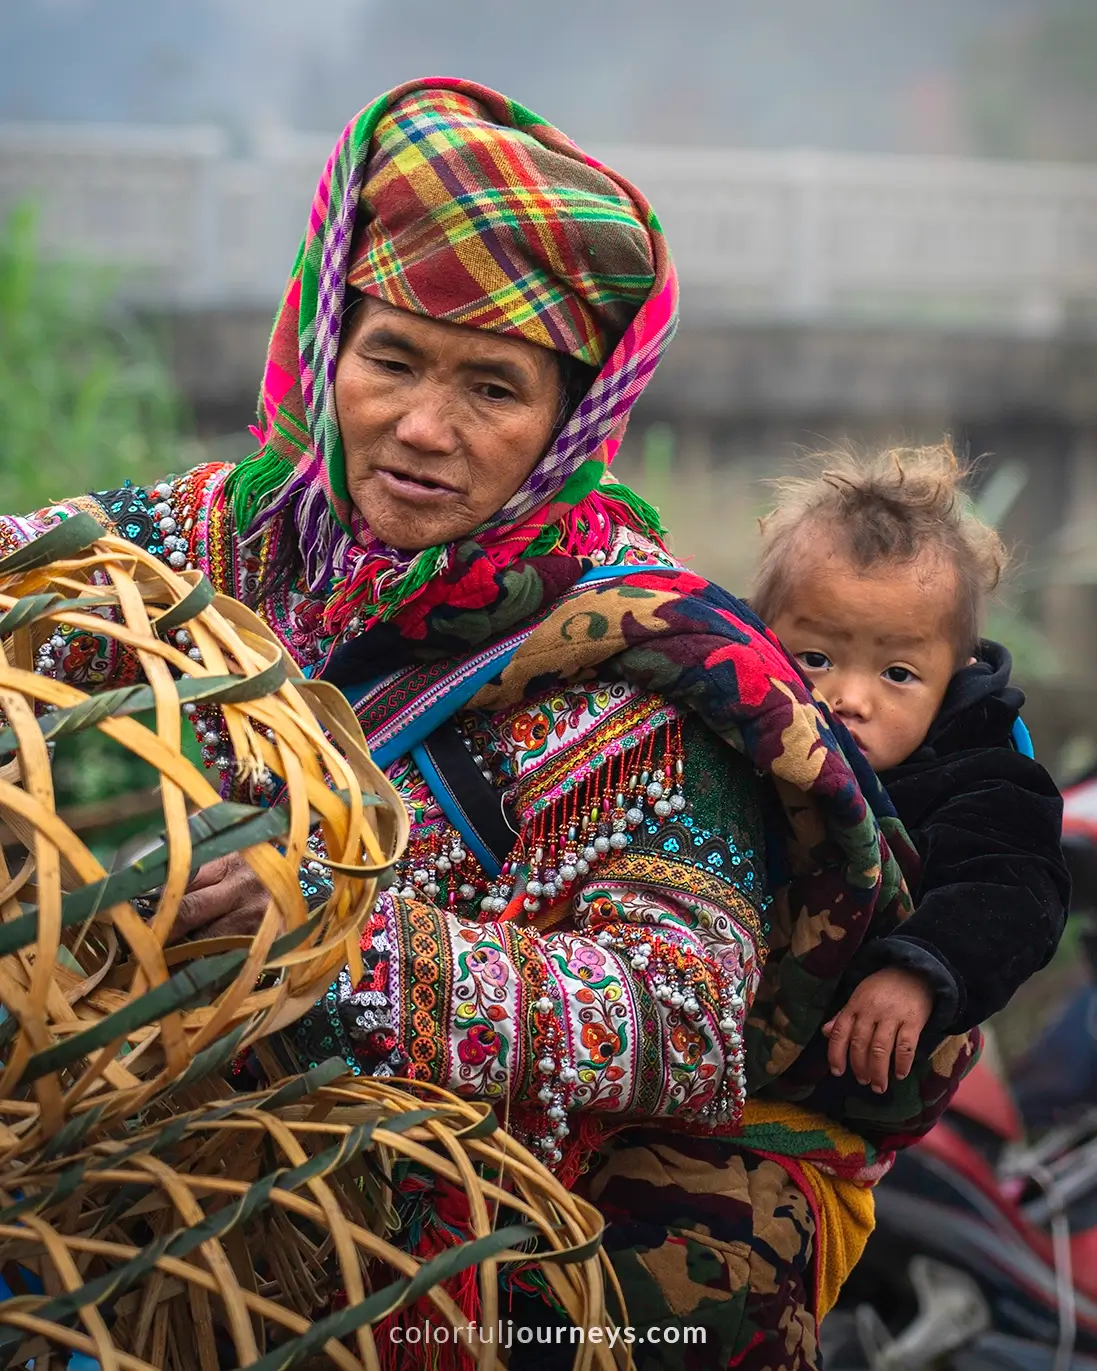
x: 877, y: 645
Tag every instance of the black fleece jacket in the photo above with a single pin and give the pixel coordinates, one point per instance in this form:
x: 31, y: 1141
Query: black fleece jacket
x: 992, y: 898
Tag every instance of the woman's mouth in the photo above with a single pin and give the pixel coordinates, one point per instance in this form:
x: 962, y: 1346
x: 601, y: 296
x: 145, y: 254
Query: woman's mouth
x: 418, y: 489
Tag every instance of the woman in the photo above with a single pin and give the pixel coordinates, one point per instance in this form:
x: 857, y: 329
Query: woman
x: 640, y: 860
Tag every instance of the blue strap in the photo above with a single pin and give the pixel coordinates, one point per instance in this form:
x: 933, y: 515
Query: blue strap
x: 409, y: 738
x: 611, y: 573
x: 1022, y: 738
x: 448, y: 804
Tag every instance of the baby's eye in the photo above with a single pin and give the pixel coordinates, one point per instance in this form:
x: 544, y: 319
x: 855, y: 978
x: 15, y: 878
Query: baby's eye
x: 901, y: 675
x: 814, y: 661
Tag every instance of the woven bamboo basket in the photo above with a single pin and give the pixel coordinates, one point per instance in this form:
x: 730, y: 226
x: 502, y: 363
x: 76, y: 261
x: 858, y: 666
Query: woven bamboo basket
x: 107, y: 1008
x: 264, y: 1231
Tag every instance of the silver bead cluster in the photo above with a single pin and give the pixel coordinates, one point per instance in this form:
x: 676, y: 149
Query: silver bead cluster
x: 422, y: 877
x: 558, y: 1077
x: 185, y: 643
x: 314, y: 869
x: 726, y: 1106
x: 209, y: 729
x: 681, y: 995
x: 174, y: 533
x: 557, y: 859
x: 45, y: 662
x: 496, y: 900
x: 665, y: 793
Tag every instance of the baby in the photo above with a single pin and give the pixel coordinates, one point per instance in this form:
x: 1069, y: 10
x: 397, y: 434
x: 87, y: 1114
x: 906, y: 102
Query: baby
x: 874, y: 575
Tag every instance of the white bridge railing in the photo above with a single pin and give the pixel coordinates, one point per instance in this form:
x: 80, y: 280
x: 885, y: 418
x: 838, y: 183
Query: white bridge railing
x: 793, y: 236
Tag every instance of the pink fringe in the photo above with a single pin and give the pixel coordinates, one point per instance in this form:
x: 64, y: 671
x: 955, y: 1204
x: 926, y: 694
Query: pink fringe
x: 602, y: 515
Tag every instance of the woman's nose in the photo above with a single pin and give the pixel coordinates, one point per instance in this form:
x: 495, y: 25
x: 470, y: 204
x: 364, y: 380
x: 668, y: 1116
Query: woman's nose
x: 426, y: 423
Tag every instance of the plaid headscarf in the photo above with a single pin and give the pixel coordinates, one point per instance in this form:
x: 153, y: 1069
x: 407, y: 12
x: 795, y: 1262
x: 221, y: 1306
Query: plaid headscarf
x: 470, y: 222
x: 447, y: 198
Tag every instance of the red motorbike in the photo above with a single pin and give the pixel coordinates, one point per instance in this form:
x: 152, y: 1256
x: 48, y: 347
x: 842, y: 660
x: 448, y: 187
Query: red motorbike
x: 984, y: 1256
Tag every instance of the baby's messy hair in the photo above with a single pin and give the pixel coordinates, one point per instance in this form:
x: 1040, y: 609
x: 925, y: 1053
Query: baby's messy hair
x: 886, y: 507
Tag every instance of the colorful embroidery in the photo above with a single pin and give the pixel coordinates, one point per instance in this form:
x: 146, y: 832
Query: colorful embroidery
x: 679, y: 878
x: 486, y: 1002
x: 428, y: 990
x: 637, y: 1009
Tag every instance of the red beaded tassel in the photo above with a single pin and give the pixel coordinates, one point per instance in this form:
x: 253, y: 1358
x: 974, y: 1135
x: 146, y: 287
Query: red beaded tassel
x: 570, y: 834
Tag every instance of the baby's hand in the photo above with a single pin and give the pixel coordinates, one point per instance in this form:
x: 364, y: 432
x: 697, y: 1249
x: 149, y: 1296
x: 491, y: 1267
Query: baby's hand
x: 884, y: 1017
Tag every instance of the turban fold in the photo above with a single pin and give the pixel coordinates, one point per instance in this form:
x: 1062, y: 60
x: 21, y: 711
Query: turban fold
x: 469, y: 221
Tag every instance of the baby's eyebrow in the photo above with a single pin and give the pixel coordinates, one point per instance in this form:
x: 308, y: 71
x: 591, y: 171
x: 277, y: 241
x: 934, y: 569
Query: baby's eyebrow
x: 902, y: 639
x: 805, y: 625
x: 837, y: 631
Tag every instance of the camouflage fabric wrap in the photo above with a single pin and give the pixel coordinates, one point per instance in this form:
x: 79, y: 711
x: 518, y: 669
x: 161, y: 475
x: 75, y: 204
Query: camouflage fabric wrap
x: 712, y: 1246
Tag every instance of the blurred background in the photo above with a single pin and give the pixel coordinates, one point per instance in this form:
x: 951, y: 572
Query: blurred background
x: 884, y: 216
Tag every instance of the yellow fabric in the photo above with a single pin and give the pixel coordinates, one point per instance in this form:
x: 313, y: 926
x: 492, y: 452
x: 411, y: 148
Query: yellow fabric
x: 847, y: 1215
x: 846, y: 1209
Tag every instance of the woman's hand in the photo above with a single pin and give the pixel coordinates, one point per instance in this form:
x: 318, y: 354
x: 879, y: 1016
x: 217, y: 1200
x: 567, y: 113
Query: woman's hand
x: 224, y: 899
x: 884, y: 1019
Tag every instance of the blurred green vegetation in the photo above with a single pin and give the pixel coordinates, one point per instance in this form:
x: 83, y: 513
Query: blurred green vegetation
x: 1029, y: 88
x: 1012, y: 613
x: 93, y: 772
x: 86, y: 401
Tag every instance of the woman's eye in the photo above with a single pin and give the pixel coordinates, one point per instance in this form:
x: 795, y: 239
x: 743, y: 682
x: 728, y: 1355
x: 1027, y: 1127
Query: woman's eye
x: 391, y: 365
x: 493, y: 392
x: 901, y: 675
x: 814, y: 661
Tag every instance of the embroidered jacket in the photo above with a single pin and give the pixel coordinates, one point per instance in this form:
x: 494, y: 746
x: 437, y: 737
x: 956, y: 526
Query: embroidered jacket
x: 635, y: 900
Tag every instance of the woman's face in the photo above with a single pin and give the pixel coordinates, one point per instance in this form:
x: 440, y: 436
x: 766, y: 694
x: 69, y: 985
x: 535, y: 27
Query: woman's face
x: 440, y: 424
